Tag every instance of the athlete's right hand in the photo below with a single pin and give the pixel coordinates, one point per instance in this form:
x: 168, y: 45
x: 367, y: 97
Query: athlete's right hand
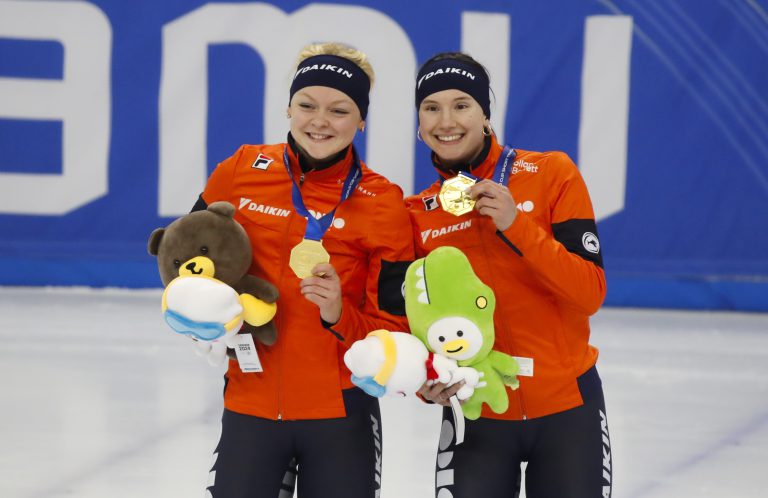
x: 439, y: 393
x: 324, y: 289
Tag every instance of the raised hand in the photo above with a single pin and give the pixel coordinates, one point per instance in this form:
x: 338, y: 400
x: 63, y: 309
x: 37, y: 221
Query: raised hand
x: 495, y: 201
x: 324, y: 289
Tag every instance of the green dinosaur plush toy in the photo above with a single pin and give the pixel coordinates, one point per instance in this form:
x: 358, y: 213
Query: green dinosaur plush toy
x: 451, y: 311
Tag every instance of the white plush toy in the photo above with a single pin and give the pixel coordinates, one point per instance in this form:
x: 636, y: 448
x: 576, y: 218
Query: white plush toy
x: 397, y: 364
x: 211, y: 312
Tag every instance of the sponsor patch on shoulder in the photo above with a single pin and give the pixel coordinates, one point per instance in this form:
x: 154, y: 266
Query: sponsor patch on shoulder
x: 262, y: 162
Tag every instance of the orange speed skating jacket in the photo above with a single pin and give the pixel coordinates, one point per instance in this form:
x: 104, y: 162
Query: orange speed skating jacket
x: 545, y: 269
x: 304, y: 371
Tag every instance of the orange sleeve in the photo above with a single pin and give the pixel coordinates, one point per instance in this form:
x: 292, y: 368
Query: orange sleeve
x: 392, y: 251
x: 561, y: 259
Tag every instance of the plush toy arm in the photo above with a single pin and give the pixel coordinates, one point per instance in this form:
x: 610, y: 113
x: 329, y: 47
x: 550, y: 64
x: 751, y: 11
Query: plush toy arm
x: 214, y: 352
x: 471, y: 378
x: 263, y: 331
x: 255, y: 311
x: 444, y: 367
x: 265, y: 334
x: 506, y: 366
x: 258, y: 287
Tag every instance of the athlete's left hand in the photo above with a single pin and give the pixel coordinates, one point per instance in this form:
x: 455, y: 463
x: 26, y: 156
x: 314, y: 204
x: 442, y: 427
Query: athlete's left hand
x: 495, y: 201
x: 324, y: 289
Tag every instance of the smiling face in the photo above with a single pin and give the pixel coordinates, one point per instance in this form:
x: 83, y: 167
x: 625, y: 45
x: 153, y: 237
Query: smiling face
x: 323, y: 120
x: 455, y: 337
x: 451, y: 124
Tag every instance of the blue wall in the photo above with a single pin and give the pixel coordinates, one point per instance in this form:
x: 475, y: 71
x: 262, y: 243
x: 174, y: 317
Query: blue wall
x: 662, y: 104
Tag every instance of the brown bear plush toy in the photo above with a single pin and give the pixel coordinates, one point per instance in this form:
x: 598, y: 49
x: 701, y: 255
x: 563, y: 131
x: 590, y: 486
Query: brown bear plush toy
x: 204, y: 258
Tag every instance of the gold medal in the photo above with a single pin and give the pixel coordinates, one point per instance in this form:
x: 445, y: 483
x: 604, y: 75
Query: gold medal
x: 306, y: 255
x: 454, y: 197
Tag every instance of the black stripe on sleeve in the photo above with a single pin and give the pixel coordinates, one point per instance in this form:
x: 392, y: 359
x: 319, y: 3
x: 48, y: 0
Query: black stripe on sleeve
x: 580, y: 237
x: 200, y: 205
x: 391, y: 278
x: 329, y: 327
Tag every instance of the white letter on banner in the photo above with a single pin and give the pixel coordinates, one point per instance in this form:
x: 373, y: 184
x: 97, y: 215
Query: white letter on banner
x: 605, y: 111
x: 486, y: 37
x: 277, y: 37
x: 81, y: 100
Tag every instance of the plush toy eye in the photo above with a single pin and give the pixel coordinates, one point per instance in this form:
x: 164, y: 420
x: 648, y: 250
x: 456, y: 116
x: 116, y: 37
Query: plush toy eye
x: 176, y: 263
x: 203, y: 250
x: 460, y: 333
x: 441, y: 339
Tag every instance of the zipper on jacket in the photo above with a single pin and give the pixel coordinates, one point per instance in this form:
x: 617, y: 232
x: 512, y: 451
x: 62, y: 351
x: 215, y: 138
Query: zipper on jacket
x: 285, y: 252
x: 510, y: 342
x: 301, y: 179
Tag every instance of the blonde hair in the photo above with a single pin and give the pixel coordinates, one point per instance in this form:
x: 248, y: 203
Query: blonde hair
x: 339, y: 50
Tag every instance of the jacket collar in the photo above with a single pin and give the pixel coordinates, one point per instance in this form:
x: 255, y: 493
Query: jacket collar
x: 482, y: 166
x: 337, y: 164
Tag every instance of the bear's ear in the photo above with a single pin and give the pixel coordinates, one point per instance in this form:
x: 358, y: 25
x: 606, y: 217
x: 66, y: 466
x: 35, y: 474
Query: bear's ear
x: 223, y: 208
x: 153, y: 244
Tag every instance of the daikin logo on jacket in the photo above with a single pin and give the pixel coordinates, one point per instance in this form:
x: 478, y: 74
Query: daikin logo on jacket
x: 439, y: 232
x: 249, y: 205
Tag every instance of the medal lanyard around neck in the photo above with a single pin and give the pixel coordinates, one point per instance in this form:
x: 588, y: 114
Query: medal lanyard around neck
x: 500, y: 171
x: 316, y: 228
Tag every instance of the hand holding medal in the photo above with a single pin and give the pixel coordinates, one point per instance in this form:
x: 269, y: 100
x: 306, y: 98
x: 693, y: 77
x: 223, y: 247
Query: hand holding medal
x: 323, y: 288
x: 464, y: 192
x: 496, y: 202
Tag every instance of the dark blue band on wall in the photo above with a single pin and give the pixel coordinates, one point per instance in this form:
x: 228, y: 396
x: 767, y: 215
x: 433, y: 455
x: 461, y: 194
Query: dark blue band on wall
x: 653, y: 291
x: 679, y: 292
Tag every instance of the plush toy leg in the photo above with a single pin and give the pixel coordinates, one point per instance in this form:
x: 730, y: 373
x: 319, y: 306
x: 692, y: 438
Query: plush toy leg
x: 218, y: 353
x: 202, y: 348
x: 472, y: 409
x: 498, y: 401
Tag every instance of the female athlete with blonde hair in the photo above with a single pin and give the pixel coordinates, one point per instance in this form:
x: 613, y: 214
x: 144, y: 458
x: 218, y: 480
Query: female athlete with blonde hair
x: 334, y: 237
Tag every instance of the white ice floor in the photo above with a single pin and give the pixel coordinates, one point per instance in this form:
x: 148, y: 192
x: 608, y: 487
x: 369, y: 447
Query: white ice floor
x: 99, y: 399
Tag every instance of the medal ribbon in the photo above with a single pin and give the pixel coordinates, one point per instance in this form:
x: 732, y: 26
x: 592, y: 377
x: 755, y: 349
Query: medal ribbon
x: 316, y: 228
x: 500, y: 171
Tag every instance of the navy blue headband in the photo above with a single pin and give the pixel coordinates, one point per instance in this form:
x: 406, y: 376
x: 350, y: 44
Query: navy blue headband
x: 334, y: 72
x: 449, y: 74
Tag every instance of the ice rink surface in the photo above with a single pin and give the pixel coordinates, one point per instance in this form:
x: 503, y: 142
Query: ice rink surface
x: 99, y: 398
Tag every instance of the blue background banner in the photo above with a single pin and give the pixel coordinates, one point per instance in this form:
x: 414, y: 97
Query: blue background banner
x: 112, y: 114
